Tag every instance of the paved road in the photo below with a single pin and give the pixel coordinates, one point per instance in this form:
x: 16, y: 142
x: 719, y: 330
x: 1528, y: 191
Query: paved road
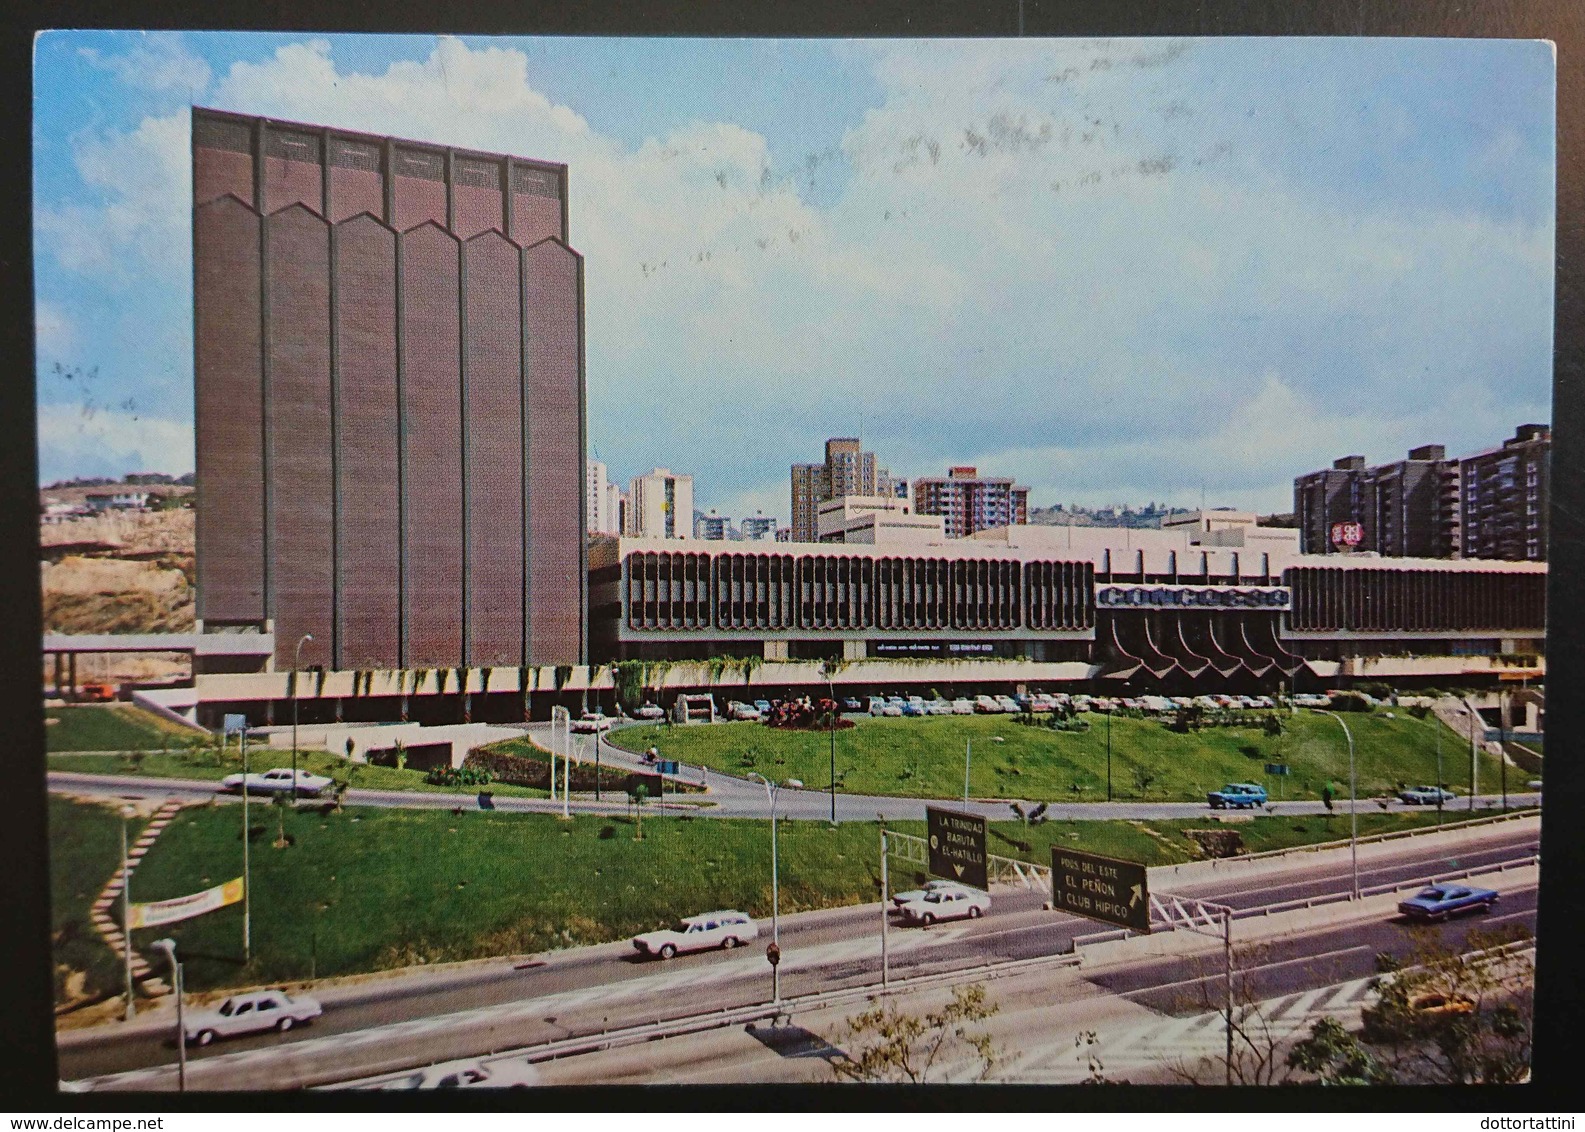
x: 733, y: 797
x: 589, y: 989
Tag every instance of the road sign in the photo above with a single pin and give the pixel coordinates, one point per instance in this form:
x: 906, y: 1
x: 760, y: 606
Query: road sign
x: 773, y: 953
x: 235, y: 723
x: 1100, y: 888
x: 1277, y: 768
x: 957, y: 846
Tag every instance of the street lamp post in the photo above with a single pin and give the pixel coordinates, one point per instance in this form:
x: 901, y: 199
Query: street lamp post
x: 297, y: 662
x: 771, y: 792
x: 247, y: 877
x: 1474, y: 723
x: 1440, y: 786
x: 168, y: 946
x: 1108, y: 756
x: 831, y: 687
x: 126, y: 913
x: 1353, y: 794
x: 968, y: 757
x: 1502, y: 747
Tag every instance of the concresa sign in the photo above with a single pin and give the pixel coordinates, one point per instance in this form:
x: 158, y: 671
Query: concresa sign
x: 1100, y: 888
x: 957, y: 846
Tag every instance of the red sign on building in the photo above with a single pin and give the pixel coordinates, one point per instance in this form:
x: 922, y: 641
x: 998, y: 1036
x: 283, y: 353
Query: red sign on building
x: 1347, y: 534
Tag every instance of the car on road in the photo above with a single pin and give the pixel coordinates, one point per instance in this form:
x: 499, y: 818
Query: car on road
x: 591, y: 723
x: 248, y: 1014
x: 1425, y: 795
x: 277, y: 781
x: 698, y: 933
x: 649, y: 711
x: 954, y: 902
x: 901, y: 898
x: 1237, y: 795
x: 1439, y: 901
x: 469, y: 1073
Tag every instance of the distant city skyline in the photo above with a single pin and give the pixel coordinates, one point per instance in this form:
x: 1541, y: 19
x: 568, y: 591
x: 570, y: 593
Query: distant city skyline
x: 1114, y: 270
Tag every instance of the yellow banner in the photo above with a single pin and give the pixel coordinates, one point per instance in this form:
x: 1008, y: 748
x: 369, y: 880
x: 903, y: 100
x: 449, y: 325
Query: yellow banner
x: 158, y: 912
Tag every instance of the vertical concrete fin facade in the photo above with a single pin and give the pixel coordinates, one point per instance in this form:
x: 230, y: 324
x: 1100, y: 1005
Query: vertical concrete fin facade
x: 388, y: 359
x: 553, y: 315
x: 228, y: 412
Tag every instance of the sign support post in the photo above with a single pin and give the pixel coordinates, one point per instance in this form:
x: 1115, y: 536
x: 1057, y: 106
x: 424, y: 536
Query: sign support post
x: 886, y: 897
x: 239, y: 724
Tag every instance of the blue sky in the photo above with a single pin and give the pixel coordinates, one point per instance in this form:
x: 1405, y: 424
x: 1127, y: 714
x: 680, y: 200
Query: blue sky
x: 1120, y: 270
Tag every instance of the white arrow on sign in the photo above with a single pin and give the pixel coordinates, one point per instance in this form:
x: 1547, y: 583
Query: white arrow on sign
x: 1135, y: 900
x: 958, y: 869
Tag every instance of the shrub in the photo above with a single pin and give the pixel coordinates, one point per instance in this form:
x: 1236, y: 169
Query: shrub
x: 459, y: 776
x: 1348, y: 701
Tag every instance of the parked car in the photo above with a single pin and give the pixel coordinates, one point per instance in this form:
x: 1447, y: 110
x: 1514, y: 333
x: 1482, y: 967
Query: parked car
x: 469, y: 1073
x: 762, y: 706
x: 698, y: 933
x: 248, y: 1014
x: 939, y: 707
x: 954, y: 902
x: 986, y: 705
x: 1007, y: 704
x: 1426, y: 795
x: 962, y: 707
x: 852, y: 703
x: 741, y: 711
x: 591, y: 723
x: 649, y: 711
x: 277, y: 781
x: 1237, y: 795
x: 1440, y: 901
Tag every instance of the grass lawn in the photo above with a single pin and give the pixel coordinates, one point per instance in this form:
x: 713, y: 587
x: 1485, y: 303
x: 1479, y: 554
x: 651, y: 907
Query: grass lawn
x: 85, y: 851
x: 924, y: 757
x: 208, y: 764
x: 372, y: 889
x: 110, y: 727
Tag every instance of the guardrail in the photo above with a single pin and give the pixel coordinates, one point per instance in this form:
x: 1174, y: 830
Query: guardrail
x: 731, y: 1016
x: 1393, y: 835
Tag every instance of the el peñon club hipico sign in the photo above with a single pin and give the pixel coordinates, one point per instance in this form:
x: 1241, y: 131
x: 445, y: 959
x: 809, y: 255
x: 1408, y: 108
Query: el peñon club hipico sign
x: 957, y: 846
x: 1100, y: 888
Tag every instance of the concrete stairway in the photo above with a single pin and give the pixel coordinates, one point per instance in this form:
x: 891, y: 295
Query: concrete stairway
x: 105, y: 913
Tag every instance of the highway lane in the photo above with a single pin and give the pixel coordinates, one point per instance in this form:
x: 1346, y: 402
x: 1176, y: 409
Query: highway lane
x: 590, y: 988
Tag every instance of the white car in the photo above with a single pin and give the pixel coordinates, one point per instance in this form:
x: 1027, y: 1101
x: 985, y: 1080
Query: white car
x: 1008, y: 704
x: 746, y: 712
x: 591, y: 723
x: 954, y: 902
x: 248, y: 1014
x: 699, y: 933
x: 277, y: 781
x: 469, y: 1073
x: 987, y: 705
x: 901, y: 898
x: 649, y: 711
x: 962, y: 707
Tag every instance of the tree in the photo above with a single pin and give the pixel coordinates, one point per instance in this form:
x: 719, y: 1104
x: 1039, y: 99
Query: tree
x: 887, y: 1044
x: 1333, y: 1056
x: 1257, y: 1040
x: 1457, y: 1016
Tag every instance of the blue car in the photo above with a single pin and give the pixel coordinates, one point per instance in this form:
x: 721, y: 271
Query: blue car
x: 1440, y: 901
x: 1237, y: 796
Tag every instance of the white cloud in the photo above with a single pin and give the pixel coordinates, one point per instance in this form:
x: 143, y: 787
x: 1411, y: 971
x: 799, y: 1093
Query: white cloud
x: 85, y: 439
x: 159, y: 63
x: 1034, y: 266
x: 53, y: 331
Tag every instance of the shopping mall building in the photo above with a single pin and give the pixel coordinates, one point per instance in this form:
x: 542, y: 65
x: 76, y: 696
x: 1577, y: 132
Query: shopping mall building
x: 1213, y: 601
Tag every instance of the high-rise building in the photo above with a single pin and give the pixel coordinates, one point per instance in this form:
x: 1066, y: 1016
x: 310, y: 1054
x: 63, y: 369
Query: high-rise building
x: 758, y: 527
x: 1410, y: 509
x: 968, y: 502
x: 848, y: 470
x: 388, y: 358
x: 712, y: 526
x: 1330, y: 496
x: 660, y: 505
x: 604, y: 501
x: 1506, y: 495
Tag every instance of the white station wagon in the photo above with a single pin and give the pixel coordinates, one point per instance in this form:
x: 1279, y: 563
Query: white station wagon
x: 250, y: 1013
x: 699, y: 933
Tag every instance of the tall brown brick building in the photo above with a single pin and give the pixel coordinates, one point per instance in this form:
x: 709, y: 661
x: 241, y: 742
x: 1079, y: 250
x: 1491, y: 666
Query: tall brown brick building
x: 388, y: 350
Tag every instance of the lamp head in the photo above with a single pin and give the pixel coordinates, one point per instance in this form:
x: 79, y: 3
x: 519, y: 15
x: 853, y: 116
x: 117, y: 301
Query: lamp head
x: 166, y: 945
